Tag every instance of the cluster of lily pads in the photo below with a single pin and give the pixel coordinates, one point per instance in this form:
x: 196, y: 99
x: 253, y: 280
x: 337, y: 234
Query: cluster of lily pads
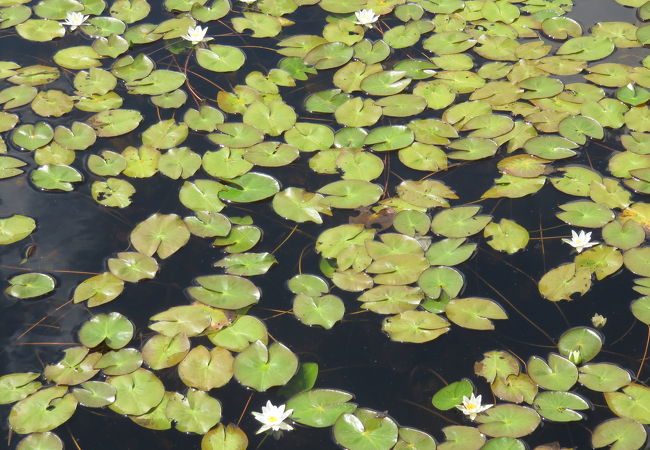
x: 424, y: 85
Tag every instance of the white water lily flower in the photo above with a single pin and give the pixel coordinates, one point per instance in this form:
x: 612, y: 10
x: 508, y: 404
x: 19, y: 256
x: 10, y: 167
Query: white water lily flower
x: 598, y: 320
x: 472, y: 406
x: 196, y: 35
x: 366, y: 17
x: 273, y: 418
x: 248, y: 2
x: 580, y: 241
x: 74, y: 19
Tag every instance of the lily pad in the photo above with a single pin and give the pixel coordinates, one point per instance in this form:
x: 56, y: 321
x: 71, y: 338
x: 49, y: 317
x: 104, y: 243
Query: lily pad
x: 30, y: 285
x: 261, y: 367
x: 365, y: 429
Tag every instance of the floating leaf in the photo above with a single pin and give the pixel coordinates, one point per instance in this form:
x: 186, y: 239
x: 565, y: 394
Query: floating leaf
x: 206, y: 369
x: 622, y: 433
x: 508, y: 421
x: 30, y: 285
x: 415, y: 326
x: 15, y: 228
x: 452, y: 395
x: 474, y: 313
x: 42, y: 411
x: 459, y: 222
x: 261, y: 367
x: 586, y: 341
x: 560, y: 406
x: 163, y: 234
x: 136, y: 393
x: 114, y: 329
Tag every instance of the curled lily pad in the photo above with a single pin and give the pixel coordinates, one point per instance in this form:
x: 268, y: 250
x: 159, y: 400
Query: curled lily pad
x: 631, y: 403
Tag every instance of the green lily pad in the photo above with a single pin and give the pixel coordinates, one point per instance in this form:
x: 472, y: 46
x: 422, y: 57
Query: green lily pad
x: 261, y: 367
x: 560, y: 406
x: 133, y: 267
x: 586, y: 341
x: 621, y: 432
x: 240, y: 239
x: 631, y: 403
x: 10, y: 166
x: 637, y: 260
x: 460, y: 437
x: 30, y: 285
x: 206, y: 369
x: 508, y: 421
x: 224, y: 291
x: 459, y: 222
x: 77, y: 366
x: 449, y: 252
x: 30, y: 137
x: 641, y: 309
x: 114, y: 329
x: 323, y: 310
x: 17, y: 386
x: 95, y: 394
x: 415, y: 326
x: 119, y: 362
x: 435, y: 281
x: 603, y: 377
x: 240, y: 333
x: 320, y: 408
x: 496, y: 364
x: 507, y: 236
x: 452, y: 395
x: 161, y: 352
x: 40, y: 441
x: 228, y: 437
x: 99, y: 289
x: 137, y: 392
x: 115, y: 122
x: 163, y: 234
x: 474, y: 313
x: 195, y: 413
x: 247, y: 264
x: 250, y: 187
x: 208, y: 224
x: 42, y: 411
x: 15, y: 228
x: 365, y: 429
x: 559, y: 374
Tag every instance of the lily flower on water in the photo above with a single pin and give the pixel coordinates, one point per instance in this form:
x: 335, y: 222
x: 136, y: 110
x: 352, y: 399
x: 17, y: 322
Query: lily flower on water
x: 366, y: 17
x: 472, y: 406
x: 273, y: 418
x: 580, y: 241
x: 74, y: 19
x: 196, y: 35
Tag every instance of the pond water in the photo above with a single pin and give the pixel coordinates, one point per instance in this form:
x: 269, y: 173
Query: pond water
x: 75, y: 236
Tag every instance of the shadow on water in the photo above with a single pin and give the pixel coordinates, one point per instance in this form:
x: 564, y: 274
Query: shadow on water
x: 76, y: 235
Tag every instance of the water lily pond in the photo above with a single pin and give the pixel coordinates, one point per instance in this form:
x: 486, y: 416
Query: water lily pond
x: 360, y: 224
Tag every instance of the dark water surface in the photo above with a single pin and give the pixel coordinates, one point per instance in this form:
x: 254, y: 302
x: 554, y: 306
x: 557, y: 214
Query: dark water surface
x: 76, y: 235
